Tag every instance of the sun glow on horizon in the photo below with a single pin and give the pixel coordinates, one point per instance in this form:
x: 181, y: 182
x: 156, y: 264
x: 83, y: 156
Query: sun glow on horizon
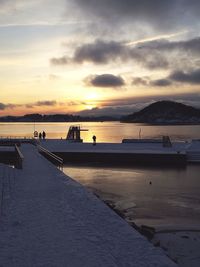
x: 92, y: 95
x: 52, y: 63
x: 92, y: 99
x: 90, y: 107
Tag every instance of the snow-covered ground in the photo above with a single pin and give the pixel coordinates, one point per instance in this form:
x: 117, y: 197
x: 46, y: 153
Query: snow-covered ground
x: 62, y: 145
x: 47, y: 219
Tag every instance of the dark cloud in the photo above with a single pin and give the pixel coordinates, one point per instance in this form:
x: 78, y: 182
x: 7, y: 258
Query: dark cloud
x: 187, y: 46
x: 49, y: 103
x: 128, y: 9
x: 146, y: 81
x: 161, y: 82
x: 192, y: 77
x: 7, y: 106
x: 103, y: 52
x: 46, y: 103
x: 99, y: 52
x: 157, y: 13
x: 140, y: 81
x: 59, y: 61
x: 156, y: 61
x: 160, y: 54
x: 164, y: 54
x: 192, y: 45
x: 2, y: 106
x: 106, y: 80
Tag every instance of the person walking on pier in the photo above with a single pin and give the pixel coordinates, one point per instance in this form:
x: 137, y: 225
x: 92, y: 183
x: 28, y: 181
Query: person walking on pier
x: 94, y: 140
x: 43, y: 134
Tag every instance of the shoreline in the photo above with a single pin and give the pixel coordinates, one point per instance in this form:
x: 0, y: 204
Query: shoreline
x: 180, y: 245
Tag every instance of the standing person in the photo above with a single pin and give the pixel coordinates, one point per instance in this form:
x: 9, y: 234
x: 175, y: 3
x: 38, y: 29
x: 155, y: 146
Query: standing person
x: 40, y: 135
x: 94, y: 140
x: 43, y: 134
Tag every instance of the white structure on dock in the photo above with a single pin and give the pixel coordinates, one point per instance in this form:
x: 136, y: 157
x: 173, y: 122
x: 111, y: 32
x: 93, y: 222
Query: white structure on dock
x: 48, y: 219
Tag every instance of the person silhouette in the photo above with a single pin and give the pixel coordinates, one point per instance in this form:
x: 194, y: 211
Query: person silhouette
x: 43, y: 135
x: 94, y: 140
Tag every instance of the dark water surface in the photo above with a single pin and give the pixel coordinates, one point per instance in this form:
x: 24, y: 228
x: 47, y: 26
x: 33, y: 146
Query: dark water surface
x: 172, y: 198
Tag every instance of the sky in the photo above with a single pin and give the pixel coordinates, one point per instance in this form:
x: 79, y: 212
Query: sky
x: 89, y: 57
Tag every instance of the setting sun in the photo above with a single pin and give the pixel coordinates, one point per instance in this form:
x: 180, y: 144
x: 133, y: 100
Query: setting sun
x: 92, y: 96
x: 90, y: 107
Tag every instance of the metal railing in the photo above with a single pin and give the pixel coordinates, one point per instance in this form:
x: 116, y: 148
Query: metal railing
x: 12, y: 140
x: 51, y: 156
x: 19, y: 158
x: 15, y: 137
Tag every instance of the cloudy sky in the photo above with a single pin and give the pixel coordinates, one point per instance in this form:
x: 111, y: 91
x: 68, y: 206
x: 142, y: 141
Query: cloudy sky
x: 97, y: 57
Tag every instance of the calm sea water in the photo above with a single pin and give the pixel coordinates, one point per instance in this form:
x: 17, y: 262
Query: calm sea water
x: 171, y: 200
x: 104, y: 131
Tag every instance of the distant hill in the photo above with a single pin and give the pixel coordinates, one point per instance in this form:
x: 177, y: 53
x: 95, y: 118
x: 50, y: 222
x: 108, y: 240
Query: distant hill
x: 53, y: 118
x: 165, y: 112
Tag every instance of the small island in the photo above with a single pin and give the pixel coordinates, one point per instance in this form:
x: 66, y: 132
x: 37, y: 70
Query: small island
x: 165, y: 112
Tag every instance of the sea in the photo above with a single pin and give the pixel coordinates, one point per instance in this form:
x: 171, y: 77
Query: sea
x: 154, y: 196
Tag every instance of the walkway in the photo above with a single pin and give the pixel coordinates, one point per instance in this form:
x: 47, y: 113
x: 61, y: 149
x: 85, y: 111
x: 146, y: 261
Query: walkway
x: 49, y: 220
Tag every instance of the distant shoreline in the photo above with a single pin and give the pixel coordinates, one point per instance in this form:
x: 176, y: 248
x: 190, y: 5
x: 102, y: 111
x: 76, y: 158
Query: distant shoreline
x: 163, y: 123
x: 114, y: 120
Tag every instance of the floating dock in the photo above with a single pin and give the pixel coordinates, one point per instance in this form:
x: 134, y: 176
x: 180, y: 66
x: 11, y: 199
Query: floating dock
x: 48, y: 219
x: 118, y: 153
x: 141, y: 152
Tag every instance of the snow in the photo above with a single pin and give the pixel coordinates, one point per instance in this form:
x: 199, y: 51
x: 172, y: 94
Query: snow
x: 56, y: 145
x: 48, y: 219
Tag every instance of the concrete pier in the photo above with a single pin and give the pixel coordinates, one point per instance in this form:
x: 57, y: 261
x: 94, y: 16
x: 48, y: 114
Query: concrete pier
x: 48, y: 219
x: 118, y: 153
